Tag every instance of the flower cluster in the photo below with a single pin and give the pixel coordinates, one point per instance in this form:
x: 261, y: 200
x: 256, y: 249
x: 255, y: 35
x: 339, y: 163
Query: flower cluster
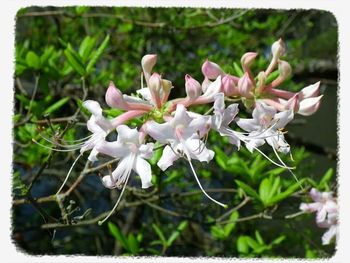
x: 326, y: 208
x: 176, y: 126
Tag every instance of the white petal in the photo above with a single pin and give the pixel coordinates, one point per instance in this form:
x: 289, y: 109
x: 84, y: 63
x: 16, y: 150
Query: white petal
x: 93, y: 107
x: 146, y: 150
x: 213, y: 88
x: 310, y: 91
x: 230, y: 113
x: 167, y: 159
x: 283, y: 118
x: 327, y: 237
x: 125, y: 134
x: 108, y: 181
x: 113, y: 149
x: 248, y: 125
x: 197, y: 150
x: 181, y: 117
x: 93, y: 155
x: 132, y: 99
x: 309, y: 106
x: 161, y: 132
x: 143, y: 169
x: 263, y: 111
x: 122, y: 171
x: 145, y: 93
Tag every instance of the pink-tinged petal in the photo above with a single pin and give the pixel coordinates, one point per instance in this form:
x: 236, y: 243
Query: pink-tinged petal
x: 327, y: 237
x: 93, y: 107
x: 262, y: 113
x: 114, y: 97
x: 293, y: 103
x: 167, y: 159
x: 113, y: 149
x: 193, y: 88
x: 155, y: 86
x: 229, y: 86
x: 315, y: 195
x: 310, y: 91
x: 211, y: 70
x: 283, y: 118
x: 125, y: 134
x: 146, y: 150
x: 161, y: 132
x: 247, y: 59
x: 248, y: 125
x: 213, y: 89
x: 311, y: 207
x: 309, y: 106
x: 108, y: 181
x: 143, y: 169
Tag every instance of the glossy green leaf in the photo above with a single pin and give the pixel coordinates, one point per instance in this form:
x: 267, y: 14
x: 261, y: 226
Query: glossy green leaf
x: 33, y: 60
x: 97, y: 54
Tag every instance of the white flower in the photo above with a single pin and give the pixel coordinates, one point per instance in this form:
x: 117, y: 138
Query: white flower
x: 183, y: 135
x: 268, y: 123
x: 98, y: 125
x: 326, y: 210
x: 132, y: 155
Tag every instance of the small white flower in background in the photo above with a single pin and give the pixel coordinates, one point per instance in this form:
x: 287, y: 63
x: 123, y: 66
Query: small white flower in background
x: 98, y: 125
x: 132, y: 154
x: 268, y: 123
x: 326, y: 209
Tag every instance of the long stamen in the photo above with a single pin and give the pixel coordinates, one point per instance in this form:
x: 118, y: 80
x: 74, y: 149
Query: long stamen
x: 272, y: 161
x: 68, y: 174
x: 200, y: 186
x: 59, y: 144
x: 295, y: 177
x: 54, y: 149
x: 119, y: 198
x: 78, y: 140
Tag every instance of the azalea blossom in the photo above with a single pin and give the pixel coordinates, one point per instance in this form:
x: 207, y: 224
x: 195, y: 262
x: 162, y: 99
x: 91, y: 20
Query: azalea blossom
x: 131, y: 154
x: 267, y: 122
x: 326, y: 209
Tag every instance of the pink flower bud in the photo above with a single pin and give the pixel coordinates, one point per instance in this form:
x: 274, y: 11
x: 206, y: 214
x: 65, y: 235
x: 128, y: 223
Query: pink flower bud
x: 278, y: 48
x: 245, y: 85
x: 193, y: 88
x: 310, y: 91
x: 211, y: 70
x: 148, y: 62
x: 309, y: 106
x: 293, y: 103
x: 247, y: 59
x: 261, y: 82
x: 229, y: 86
x: 155, y: 85
x: 114, y: 97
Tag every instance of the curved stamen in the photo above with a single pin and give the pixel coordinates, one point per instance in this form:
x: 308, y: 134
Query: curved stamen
x: 200, y: 186
x: 54, y: 149
x: 128, y: 171
x: 59, y: 144
x: 68, y: 174
x: 272, y: 161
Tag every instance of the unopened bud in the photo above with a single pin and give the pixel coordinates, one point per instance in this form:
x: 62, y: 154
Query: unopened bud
x: 284, y: 69
x: 245, y: 85
x: 310, y: 91
x: 309, y: 106
x: 261, y: 82
x: 193, y: 87
x: 114, y: 97
x: 229, y: 86
x: 278, y: 48
x: 148, y: 62
x: 247, y: 59
x: 155, y: 85
x: 211, y: 70
x: 293, y: 103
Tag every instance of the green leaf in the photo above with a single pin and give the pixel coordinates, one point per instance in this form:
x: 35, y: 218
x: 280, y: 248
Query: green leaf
x: 86, y: 47
x: 57, y: 105
x: 114, y: 230
x: 33, y: 60
x: 278, y: 240
x: 326, y: 178
x: 46, y: 55
x: 275, y: 186
x: 175, y: 234
x: 160, y: 234
x: 259, y: 238
x: 133, y: 244
x: 247, y: 189
x: 264, y: 190
x: 238, y: 69
x: 286, y: 193
x: 273, y: 75
x: 74, y: 60
x: 230, y: 226
x: 242, y: 245
x: 97, y: 54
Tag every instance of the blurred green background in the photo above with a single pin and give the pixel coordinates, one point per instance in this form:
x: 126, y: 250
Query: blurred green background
x: 110, y: 42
